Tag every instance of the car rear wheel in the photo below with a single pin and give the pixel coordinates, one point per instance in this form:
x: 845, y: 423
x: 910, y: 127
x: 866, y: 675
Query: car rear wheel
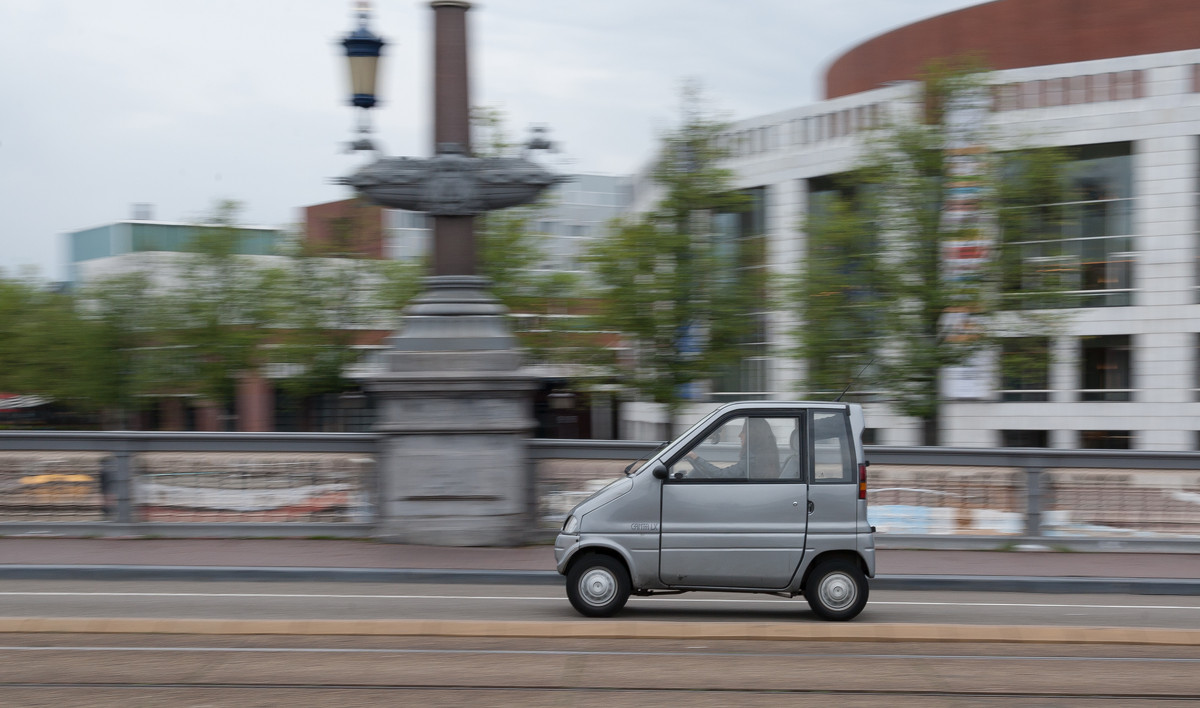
x: 598, y: 585
x: 836, y: 590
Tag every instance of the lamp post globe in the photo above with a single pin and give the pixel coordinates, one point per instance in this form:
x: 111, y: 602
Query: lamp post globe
x: 363, y: 49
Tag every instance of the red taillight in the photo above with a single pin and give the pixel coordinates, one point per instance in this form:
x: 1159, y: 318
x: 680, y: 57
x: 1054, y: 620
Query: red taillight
x: 862, y: 481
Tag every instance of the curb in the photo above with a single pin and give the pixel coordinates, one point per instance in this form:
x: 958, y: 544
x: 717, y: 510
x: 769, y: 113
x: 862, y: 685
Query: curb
x: 1039, y: 584
x: 278, y: 574
x: 963, y: 583
x: 614, y: 629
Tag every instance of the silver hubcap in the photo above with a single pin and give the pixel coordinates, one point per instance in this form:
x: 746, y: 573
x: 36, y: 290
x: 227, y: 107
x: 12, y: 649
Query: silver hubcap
x: 837, y: 591
x: 598, y: 586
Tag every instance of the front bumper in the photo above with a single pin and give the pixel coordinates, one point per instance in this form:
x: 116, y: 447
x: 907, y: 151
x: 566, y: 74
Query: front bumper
x: 563, y: 545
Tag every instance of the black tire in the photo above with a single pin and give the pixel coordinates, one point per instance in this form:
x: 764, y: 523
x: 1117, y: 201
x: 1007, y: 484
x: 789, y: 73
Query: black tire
x: 598, y: 585
x: 836, y: 590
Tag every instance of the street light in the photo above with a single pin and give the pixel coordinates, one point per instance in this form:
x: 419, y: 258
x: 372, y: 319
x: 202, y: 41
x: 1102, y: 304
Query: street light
x: 363, y: 49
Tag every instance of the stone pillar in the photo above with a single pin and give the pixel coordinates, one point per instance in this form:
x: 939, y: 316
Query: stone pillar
x: 455, y: 406
x: 455, y: 410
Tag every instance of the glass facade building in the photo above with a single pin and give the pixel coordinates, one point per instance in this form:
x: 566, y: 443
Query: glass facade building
x: 125, y: 237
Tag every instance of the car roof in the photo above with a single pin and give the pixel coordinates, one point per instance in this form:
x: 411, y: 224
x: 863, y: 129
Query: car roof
x: 782, y: 405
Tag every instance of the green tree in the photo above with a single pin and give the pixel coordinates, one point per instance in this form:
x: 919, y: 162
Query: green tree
x: 332, y: 304
x: 511, y: 253
x: 123, y: 313
x: 50, y: 347
x: 218, y: 316
x: 676, y: 291
x: 904, y: 269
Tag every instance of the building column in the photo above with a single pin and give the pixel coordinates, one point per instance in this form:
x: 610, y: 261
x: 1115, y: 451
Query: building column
x: 208, y: 417
x: 173, y: 417
x: 255, y: 403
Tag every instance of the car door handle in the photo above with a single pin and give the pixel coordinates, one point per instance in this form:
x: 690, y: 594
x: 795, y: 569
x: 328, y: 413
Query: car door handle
x: 811, y: 507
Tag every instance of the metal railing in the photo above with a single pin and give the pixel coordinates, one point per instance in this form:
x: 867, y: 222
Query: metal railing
x: 301, y: 484
x: 188, y: 484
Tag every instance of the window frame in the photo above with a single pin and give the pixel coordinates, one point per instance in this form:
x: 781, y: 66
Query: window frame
x: 799, y: 422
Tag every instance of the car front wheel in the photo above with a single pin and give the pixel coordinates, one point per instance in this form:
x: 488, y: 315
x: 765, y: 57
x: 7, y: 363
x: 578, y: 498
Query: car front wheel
x: 836, y: 590
x: 598, y: 585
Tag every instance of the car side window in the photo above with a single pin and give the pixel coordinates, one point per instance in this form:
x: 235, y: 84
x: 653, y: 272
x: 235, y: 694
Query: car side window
x: 747, y: 449
x: 832, y: 453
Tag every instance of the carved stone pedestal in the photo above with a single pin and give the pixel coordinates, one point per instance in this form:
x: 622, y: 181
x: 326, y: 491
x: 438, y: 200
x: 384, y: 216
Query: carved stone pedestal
x: 455, y: 409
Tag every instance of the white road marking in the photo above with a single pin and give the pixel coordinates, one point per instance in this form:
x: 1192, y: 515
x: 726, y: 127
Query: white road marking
x: 518, y: 598
x: 583, y: 652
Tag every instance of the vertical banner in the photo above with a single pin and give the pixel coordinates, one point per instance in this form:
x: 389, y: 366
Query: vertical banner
x: 967, y: 236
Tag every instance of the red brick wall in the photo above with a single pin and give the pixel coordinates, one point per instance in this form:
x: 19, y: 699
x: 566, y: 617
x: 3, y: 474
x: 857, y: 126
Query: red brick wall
x: 350, y: 226
x: 1009, y: 34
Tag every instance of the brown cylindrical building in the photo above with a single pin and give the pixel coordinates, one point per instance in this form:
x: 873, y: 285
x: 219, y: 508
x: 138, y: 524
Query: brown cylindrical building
x: 1012, y: 34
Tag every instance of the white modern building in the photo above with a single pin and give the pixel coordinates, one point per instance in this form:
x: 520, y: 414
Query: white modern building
x: 1119, y: 87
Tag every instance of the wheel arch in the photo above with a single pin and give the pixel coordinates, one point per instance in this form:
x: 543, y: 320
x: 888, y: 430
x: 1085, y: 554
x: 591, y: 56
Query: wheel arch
x: 842, y: 554
x: 583, y: 549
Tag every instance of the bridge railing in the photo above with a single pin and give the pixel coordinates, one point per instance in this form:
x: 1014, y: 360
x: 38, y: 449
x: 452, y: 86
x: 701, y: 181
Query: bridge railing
x: 183, y: 484
x: 302, y: 484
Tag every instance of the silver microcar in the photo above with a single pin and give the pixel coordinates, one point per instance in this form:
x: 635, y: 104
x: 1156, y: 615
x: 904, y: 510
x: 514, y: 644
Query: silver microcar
x: 759, y: 496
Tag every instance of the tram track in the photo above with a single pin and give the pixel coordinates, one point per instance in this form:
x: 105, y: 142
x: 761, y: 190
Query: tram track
x: 601, y: 689
x: 613, y: 673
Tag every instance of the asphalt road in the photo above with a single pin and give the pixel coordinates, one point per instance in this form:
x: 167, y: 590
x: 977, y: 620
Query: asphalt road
x: 689, y: 663
x: 158, y: 670
x: 366, y: 601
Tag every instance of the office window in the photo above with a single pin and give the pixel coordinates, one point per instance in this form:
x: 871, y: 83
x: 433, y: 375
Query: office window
x: 1127, y: 85
x: 738, y: 241
x: 1076, y: 251
x: 1054, y: 92
x: 1008, y: 97
x: 1105, y: 439
x: 1025, y: 438
x: 1025, y: 369
x: 1196, y: 367
x: 1077, y: 90
x: 1031, y: 92
x: 1106, y: 373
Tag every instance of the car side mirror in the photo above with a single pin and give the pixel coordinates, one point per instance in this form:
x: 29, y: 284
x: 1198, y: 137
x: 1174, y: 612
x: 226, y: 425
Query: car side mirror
x: 659, y: 470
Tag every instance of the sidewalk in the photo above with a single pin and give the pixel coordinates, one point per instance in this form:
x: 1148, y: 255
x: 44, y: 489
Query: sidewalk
x: 366, y: 561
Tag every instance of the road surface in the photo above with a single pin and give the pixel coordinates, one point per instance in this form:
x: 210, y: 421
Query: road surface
x: 540, y: 666
x: 367, y: 601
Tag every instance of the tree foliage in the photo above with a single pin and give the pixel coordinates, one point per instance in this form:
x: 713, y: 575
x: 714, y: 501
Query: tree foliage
x: 904, y: 267
x: 676, y: 291
x: 220, y: 313
x: 513, y: 253
x: 327, y: 305
x: 197, y: 325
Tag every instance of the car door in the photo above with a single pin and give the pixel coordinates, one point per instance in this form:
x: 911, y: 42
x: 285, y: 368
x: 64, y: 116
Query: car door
x: 734, y: 506
x: 833, y: 488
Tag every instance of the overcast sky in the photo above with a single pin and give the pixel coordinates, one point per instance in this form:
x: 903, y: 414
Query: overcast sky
x: 179, y: 103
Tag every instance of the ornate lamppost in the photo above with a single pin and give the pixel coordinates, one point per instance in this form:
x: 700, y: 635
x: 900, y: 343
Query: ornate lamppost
x: 363, y: 50
x: 455, y: 404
